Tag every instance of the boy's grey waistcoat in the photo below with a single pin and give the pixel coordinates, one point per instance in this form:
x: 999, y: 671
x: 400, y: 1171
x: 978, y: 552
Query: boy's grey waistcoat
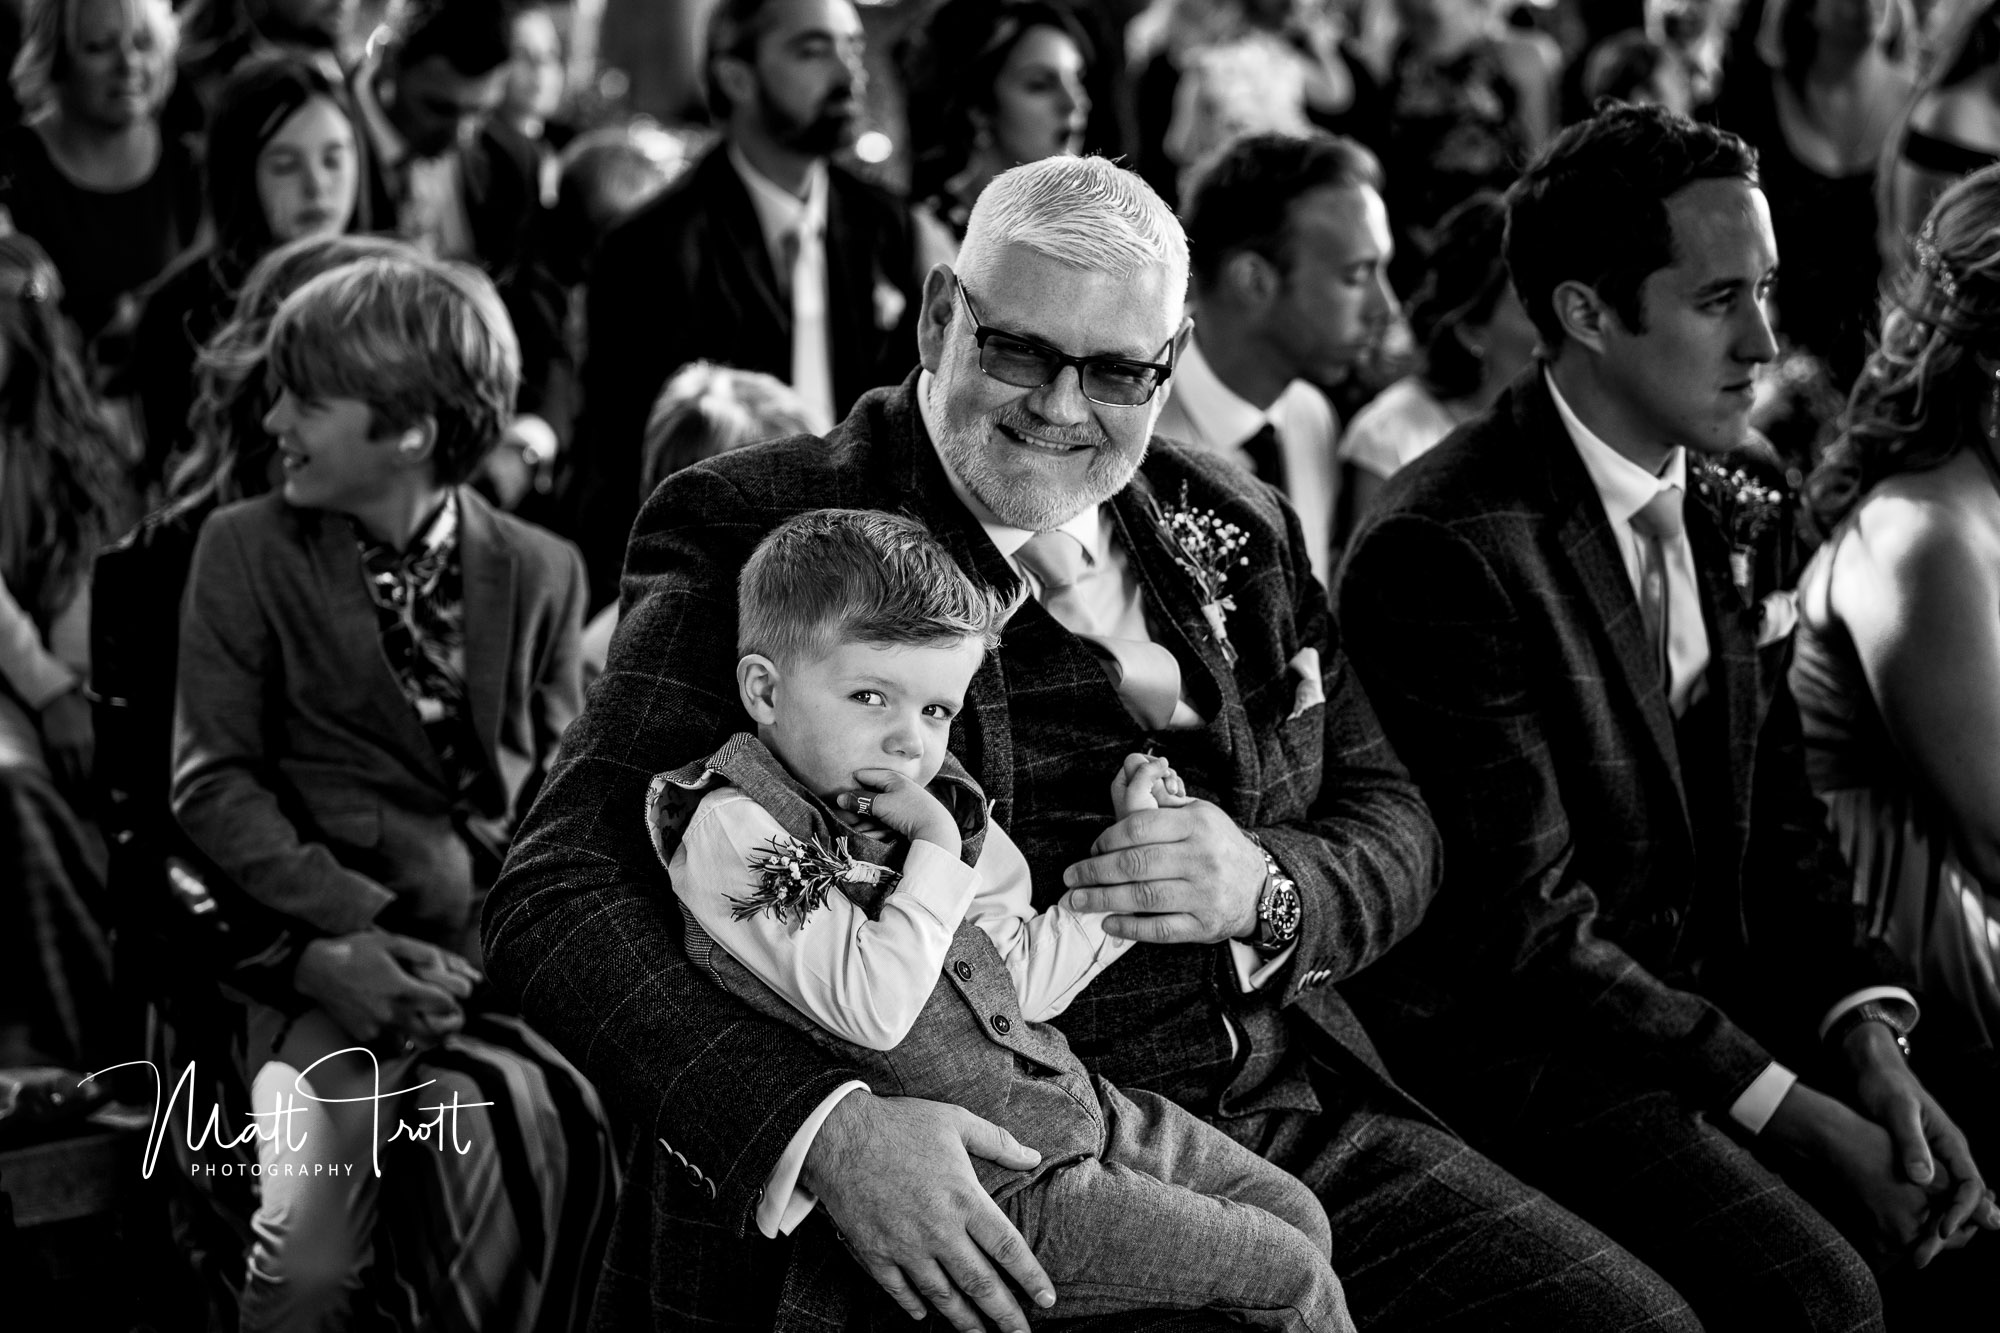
x: 970, y: 1045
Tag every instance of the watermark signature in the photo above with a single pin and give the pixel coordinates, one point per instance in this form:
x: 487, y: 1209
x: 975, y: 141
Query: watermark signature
x: 278, y: 1126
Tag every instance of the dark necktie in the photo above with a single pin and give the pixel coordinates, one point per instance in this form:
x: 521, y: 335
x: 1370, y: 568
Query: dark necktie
x: 1267, y: 460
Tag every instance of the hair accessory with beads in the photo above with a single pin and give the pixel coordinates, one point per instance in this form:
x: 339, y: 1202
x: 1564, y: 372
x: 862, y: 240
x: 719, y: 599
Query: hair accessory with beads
x: 1931, y: 261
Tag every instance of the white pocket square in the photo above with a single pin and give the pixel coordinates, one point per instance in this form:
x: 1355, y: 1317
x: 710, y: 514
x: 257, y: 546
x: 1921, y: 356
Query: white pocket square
x: 1310, y: 692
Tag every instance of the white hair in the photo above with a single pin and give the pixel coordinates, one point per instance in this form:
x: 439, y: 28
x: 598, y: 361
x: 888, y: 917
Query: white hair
x: 1086, y: 212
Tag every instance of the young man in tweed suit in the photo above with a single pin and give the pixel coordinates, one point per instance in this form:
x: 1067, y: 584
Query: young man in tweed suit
x: 1643, y: 906
x: 1023, y: 444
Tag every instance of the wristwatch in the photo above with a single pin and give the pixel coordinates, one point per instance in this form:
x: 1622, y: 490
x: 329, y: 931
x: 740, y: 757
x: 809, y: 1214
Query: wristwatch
x: 1870, y: 1012
x: 1278, y: 909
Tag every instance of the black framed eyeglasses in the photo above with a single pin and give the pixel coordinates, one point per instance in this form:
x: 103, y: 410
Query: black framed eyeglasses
x: 1114, y: 381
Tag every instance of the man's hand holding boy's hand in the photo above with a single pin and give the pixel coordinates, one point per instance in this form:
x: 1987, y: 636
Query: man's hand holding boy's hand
x: 1147, y: 782
x: 905, y: 807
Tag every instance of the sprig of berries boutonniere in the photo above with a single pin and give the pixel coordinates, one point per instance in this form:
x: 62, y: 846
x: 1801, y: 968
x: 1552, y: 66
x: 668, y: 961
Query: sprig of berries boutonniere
x: 1745, y: 508
x: 794, y: 878
x: 1209, y: 548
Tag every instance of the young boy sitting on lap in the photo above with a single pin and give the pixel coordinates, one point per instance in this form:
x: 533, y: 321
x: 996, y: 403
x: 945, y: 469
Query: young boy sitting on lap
x: 837, y: 871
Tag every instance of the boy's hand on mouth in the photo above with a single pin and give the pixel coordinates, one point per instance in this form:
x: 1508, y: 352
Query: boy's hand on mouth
x: 904, y: 806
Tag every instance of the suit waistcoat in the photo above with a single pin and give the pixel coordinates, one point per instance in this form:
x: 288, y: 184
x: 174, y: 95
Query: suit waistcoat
x: 970, y: 1045
x: 1155, y: 1018
x: 1700, y: 927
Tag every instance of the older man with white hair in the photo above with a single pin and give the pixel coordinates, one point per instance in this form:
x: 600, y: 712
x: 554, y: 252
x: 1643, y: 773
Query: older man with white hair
x: 1171, y: 607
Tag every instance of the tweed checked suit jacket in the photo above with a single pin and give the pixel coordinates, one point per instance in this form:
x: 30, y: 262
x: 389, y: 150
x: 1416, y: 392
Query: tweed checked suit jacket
x: 1490, y: 614
x: 583, y: 928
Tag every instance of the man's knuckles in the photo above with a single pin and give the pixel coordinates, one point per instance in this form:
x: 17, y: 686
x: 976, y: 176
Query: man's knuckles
x: 1136, y: 864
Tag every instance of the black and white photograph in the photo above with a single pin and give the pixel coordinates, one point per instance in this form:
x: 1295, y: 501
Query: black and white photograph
x: 999, y: 666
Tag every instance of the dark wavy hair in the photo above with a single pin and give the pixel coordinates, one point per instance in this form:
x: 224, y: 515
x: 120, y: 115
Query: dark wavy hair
x: 1464, y: 281
x: 1593, y: 207
x: 949, y: 64
x: 257, y: 101
x: 1918, y: 399
x: 62, y: 457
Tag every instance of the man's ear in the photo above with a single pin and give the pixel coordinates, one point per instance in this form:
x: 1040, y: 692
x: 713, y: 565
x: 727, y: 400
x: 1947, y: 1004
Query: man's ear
x: 1250, y: 279
x: 757, y: 687
x: 737, y: 79
x: 1583, y: 314
x: 940, y: 300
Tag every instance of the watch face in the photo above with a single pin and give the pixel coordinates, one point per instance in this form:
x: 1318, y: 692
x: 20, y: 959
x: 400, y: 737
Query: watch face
x: 1282, y: 913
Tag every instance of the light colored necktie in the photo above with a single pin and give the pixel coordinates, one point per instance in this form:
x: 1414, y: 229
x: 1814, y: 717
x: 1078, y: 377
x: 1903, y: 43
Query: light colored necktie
x: 1146, y: 676
x: 1668, y: 599
x: 804, y: 281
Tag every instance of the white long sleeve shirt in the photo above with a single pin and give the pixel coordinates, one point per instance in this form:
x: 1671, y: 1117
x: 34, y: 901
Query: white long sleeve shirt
x: 866, y: 981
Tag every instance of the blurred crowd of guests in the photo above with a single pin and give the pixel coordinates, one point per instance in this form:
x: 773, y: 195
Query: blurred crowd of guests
x: 169, y: 177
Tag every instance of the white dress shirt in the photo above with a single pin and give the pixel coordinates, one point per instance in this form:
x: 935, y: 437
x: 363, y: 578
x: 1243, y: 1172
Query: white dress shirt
x: 1203, y: 411
x: 780, y: 213
x: 785, y: 1203
x: 1624, y: 488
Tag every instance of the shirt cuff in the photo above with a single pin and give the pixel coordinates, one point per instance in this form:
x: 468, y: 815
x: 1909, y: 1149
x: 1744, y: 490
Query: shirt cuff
x: 785, y: 1202
x: 1253, y: 970
x: 1759, y: 1102
x: 937, y: 881
x: 1894, y: 996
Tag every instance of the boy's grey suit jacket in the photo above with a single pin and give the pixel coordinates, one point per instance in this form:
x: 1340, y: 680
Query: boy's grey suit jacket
x: 583, y: 929
x: 299, y: 767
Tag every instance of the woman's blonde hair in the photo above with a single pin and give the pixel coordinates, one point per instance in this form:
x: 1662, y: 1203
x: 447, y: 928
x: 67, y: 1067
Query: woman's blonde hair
x: 48, y: 41
x: 1919, y: 398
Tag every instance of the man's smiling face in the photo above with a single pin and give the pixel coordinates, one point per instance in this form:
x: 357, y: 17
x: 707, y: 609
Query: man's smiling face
x: 1038, y: 457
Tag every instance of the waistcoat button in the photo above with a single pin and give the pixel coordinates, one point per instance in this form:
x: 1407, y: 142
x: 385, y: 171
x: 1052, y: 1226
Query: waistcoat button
x: 1001, y: 1025
x: 963, y: 969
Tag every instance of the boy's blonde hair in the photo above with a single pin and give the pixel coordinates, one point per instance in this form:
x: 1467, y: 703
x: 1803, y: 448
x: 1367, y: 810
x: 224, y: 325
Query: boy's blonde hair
x: 707, y: 410
x: 834, y: 576
x: 411, y: 337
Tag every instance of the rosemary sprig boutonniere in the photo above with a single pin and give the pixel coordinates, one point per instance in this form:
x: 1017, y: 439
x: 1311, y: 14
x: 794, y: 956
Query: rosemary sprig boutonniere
x: 1208, y: 547
x: 794, y: 878
x: 1743, y: 505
